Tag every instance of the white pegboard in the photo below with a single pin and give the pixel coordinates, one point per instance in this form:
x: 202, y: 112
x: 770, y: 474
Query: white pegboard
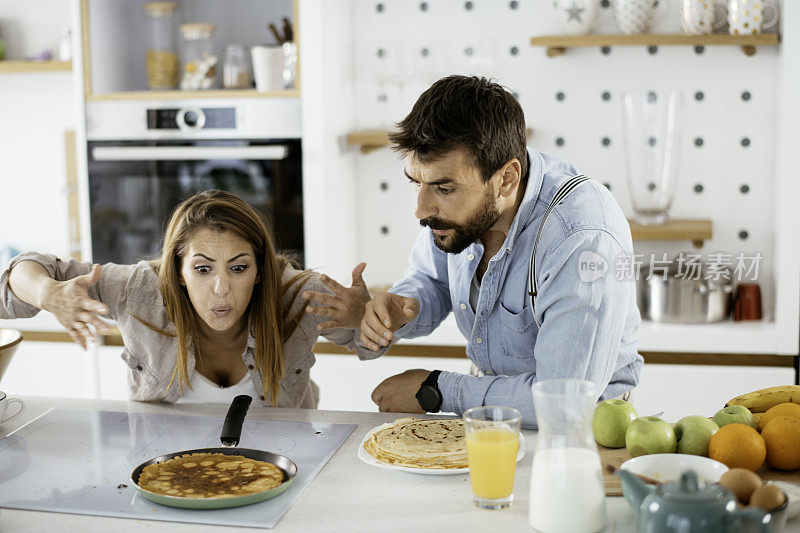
x: 392, y: 70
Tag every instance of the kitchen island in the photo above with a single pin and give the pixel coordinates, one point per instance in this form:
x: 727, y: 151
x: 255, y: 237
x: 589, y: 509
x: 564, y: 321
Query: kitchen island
x: 346, y: 495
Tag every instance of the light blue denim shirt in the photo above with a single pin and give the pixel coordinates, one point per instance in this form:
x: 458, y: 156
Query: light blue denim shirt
x: 587, y: 326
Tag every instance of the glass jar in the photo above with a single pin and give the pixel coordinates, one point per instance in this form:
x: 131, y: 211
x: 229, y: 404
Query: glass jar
x: 162, y: 58
x: 199, y: 56
x: 651, y: 127
x: 235, y: 70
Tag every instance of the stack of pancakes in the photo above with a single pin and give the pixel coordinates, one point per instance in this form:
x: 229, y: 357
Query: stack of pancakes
x: 210, y: 475
x: 415, y: 443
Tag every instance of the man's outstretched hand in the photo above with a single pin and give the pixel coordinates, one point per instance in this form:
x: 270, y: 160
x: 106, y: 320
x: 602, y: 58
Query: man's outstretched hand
x: 383, y: 315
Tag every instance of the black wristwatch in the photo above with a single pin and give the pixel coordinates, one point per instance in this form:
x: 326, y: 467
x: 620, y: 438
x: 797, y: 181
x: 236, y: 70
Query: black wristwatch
x: 429, y: 396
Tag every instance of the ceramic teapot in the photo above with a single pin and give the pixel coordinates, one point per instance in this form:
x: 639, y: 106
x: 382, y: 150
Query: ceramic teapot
x: 687, y: 505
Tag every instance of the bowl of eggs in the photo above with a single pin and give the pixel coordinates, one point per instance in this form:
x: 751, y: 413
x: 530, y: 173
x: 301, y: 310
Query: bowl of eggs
x: 750, y: 490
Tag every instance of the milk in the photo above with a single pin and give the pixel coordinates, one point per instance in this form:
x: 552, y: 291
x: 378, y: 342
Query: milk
x: 567, y: 494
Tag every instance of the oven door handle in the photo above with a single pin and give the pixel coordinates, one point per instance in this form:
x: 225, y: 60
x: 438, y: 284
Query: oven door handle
x: 188, y: 153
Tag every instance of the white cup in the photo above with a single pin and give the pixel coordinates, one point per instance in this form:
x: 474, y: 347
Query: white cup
x: 746, y: 17
x: 268, y: 68
x: 578, y: 17
x: 636, y: 16
x: 698, y: 17
x: 5, y: 401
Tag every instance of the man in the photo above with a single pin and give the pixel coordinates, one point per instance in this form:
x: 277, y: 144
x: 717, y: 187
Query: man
x: 482, y: 196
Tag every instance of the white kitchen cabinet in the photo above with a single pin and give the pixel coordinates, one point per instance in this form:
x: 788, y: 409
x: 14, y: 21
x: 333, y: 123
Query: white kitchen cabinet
x: 346, y: 383
x: 50, y: 369
x: 678, y: 390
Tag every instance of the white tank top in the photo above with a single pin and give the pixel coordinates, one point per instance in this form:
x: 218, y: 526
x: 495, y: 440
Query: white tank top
x: 206, y: 391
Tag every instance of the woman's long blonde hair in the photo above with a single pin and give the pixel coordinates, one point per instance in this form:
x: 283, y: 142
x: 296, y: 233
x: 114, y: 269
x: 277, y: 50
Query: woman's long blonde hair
x: 266, y: 313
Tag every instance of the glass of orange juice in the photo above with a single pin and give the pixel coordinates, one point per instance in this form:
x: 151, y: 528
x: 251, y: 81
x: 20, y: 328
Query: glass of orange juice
x: 492, y: 446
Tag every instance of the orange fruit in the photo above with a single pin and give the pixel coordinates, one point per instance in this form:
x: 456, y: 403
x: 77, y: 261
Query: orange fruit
x: 782, y: 436
x: 738, y: 446
x: 782, y: 409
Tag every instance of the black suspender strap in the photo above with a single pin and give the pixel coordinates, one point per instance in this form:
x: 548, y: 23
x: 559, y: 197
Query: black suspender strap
x: 565, y: 190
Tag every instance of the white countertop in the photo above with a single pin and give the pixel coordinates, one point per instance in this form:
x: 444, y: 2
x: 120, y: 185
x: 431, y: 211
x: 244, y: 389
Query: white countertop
x: 347, y: 495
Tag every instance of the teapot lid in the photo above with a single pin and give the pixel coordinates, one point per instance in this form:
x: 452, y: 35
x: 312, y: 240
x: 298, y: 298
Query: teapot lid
x: 690, y: 489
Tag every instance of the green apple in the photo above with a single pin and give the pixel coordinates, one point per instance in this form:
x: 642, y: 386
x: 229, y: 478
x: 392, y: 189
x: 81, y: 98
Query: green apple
x: 734, y: 414
x: 650, y: 434
x: 693, y: 433
x: 610, y: 422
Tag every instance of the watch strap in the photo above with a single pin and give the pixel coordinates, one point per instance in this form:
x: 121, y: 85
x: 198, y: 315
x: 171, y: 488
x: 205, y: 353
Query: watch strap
x: 432, y: 380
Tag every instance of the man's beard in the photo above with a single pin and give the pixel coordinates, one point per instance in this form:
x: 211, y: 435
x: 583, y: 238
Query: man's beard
x: 462, y: 235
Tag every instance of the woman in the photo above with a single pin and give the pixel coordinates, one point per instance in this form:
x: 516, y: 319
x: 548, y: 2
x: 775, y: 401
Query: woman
x: 217, y: 314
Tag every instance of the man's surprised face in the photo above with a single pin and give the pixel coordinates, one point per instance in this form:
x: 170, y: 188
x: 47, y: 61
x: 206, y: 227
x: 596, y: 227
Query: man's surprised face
x: 453, y: 200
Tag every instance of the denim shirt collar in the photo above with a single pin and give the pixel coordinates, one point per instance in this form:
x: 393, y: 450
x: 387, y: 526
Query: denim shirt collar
x: 525, y: 211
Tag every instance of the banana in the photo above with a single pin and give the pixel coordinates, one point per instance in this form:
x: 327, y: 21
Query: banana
x: 761, y: 400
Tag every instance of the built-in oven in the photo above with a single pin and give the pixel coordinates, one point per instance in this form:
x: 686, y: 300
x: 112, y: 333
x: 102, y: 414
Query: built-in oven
x: 138, y: 172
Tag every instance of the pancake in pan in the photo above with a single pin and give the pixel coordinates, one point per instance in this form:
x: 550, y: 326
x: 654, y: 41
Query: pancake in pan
x: 210, y: 475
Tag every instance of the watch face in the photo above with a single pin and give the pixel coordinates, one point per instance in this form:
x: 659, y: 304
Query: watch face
x: 428, y: 398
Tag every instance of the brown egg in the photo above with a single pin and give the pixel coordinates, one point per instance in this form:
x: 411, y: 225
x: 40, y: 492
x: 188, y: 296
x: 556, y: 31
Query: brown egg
x: 741, y: 482
x: 767, y: 497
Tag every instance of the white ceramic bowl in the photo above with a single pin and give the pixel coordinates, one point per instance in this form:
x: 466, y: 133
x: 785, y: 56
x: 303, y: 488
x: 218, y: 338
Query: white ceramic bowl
x: 669, y: 466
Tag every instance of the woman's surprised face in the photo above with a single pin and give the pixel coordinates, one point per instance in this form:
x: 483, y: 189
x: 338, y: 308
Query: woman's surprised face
x: 219, y: 272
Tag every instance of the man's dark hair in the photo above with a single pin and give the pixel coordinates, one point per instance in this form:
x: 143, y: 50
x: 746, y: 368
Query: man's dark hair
x: 467, y: 112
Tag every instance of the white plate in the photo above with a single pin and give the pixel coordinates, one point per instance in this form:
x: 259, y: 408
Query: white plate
x: 670, y: 466
x: 370, y: 460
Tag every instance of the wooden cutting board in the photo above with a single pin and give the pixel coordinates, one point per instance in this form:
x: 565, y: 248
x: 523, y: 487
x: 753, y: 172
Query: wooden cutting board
x: 615, y: 458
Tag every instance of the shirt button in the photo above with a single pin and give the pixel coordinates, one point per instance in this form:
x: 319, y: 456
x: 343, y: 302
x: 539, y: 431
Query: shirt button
x: 463, y: 306
x: 298, y: 370
x: 470, y: 257
x: 139, y: 368
x: 251, y: 367
x: 478, y: 340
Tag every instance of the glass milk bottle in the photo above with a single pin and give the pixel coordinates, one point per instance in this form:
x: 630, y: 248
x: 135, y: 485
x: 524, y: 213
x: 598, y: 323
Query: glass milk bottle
x: 567, y: 493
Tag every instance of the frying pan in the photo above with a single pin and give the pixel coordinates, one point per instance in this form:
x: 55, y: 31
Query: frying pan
x: 231, y: 431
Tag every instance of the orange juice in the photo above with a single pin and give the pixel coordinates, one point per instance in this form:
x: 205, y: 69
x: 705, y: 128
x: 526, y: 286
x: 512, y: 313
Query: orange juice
x: 492, y: 457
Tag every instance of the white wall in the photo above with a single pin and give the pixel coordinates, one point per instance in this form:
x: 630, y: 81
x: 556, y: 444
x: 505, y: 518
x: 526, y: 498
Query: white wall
x: 329, y: 176
x: 35, y: 110
x: 31, y: 26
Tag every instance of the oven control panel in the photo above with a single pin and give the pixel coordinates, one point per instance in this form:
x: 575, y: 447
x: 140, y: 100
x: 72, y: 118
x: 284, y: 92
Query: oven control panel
x: 191, y: 118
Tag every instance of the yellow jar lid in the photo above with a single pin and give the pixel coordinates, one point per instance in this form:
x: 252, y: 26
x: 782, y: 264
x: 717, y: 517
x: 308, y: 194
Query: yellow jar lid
x: 160, y: 9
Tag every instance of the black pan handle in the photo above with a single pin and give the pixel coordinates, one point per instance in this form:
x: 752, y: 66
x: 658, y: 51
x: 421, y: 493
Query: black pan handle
x: 232, y: 428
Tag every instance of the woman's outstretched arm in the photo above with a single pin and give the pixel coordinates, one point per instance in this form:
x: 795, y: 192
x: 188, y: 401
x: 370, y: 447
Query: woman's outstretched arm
x: 68, y: 301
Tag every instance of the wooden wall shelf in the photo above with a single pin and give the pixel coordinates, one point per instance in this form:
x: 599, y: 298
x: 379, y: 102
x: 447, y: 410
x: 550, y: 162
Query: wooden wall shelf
x: 370, y: 140
x: 177, y: 95
x: 558, y: 44
x: 695, y: 230
x: 12, y: 65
